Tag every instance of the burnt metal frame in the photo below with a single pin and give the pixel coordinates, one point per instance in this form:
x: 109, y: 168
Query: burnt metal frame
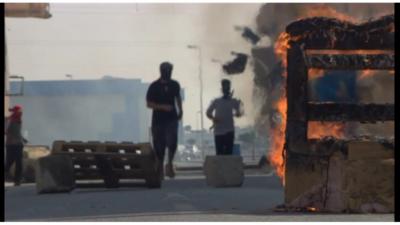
x: 300, y: 110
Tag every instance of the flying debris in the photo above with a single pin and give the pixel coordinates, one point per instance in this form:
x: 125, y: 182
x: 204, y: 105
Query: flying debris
x: 236, y: 66
x: 249, y: 35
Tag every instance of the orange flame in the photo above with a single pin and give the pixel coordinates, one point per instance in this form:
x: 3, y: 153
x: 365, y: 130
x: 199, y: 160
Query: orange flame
x: 275, y: 155
x: 366, y: 73
x: 276, y: 152
x: 281, y: 47
x: 312, y: 209
x: 316, y: 130
x: 315, y: 73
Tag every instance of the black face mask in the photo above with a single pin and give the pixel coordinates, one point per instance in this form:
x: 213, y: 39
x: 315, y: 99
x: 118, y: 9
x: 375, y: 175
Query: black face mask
x: 166, y: 71
x: 226, y: 91
x: 166, y: 76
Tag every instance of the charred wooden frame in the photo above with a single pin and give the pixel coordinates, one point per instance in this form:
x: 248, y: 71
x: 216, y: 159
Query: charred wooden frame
x: 350, y: 112
x: 351, y: 62
x: 329, y: 37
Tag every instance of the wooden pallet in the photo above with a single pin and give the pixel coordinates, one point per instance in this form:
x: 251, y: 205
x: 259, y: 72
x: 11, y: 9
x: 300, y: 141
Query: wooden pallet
x: 111, y: 161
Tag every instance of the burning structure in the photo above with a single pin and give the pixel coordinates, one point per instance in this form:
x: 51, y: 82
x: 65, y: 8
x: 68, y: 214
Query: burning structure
x: 332, y: 170
x: 270, y: 73
x: 316, y: 104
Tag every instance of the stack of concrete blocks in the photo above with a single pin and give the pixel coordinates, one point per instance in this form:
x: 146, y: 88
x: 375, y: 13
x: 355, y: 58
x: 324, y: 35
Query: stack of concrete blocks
x: 55, y: 173
x: 361, y: 181
x: 224, y: 171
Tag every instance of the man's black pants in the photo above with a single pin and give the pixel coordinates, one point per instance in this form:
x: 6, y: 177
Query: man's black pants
x: 165, y: 135
x: 224, y: 143
x: 14, y: 154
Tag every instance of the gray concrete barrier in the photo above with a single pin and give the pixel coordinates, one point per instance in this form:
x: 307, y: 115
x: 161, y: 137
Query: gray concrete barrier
x: 224, y: 171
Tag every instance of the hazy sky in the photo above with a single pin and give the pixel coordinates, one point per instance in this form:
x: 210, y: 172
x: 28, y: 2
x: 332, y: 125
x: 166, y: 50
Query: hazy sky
x: 130, y: 40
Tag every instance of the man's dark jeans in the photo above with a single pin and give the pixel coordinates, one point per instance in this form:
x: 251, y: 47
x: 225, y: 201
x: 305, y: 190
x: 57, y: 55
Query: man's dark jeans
x: 165, y: 135
x: 14, y: 154
x: 224, y: 143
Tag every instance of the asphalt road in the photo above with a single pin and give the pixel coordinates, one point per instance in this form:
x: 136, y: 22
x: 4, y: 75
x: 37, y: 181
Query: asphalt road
x: 185, y: 198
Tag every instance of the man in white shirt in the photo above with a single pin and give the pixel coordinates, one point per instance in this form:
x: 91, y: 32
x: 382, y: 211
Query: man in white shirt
x: 221, y: 112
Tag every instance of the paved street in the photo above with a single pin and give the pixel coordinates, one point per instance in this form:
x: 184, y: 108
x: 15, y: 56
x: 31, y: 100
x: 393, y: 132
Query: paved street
x: 186, y: 198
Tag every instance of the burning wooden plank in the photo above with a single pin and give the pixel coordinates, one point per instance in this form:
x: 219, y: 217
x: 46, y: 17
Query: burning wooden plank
x: 331, y: 33
x: 351, y: 62
x: 296, y: 128
x: 350, y: 112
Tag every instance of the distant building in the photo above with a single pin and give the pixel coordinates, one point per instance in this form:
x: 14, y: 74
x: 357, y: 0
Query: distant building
x: 87, y: 110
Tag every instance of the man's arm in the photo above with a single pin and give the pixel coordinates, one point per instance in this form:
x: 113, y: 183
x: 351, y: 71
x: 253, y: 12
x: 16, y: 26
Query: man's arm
x: 179, y: 103
x: 159, y: 107
x: 238, y: 108
x: 210, y: 115
x: 210, y: 109
x: 178, y: 100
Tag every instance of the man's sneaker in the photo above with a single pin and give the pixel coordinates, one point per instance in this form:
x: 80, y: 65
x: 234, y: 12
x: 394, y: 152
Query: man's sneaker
x: 169, y: 170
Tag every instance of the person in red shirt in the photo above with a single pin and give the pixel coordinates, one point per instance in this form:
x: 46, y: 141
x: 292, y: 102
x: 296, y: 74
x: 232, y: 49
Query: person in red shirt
x: 14, y: 143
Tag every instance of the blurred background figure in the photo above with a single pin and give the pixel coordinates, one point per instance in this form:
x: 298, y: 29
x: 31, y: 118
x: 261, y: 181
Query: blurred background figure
x: 14, y: 143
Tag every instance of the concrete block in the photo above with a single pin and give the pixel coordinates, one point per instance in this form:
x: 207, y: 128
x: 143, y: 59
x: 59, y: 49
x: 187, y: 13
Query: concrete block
x: 58, y: 145
x: 54, y: 173
x: 30, y: 154
x: 361, y: 181
x: 304, y: 181
x: 316, y: 183
x: 369, y: 185
x: 224, y: 171
x: 33, y: 154
x: 369, y: 178
x: 335, y: 199
x: 359, y: 150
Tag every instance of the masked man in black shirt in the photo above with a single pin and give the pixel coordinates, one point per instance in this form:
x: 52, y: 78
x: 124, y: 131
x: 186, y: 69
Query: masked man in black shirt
x: 162, y: 97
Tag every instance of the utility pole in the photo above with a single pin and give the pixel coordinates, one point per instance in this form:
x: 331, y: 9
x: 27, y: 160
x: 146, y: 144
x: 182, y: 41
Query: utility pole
x: 201, y: 98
